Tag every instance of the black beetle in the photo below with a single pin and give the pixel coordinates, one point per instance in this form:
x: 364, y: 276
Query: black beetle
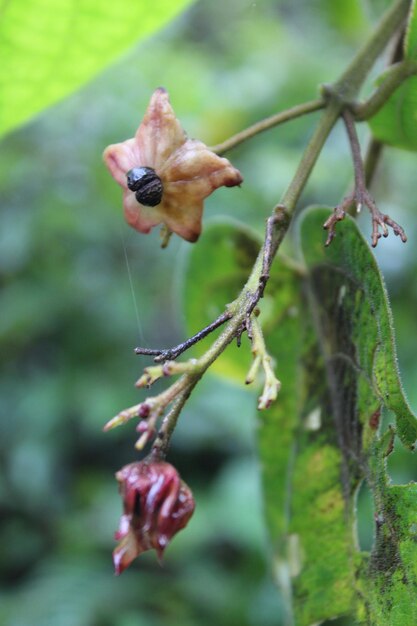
x: 146, y: 184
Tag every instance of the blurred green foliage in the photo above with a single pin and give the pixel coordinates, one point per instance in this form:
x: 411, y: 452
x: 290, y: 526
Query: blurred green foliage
x: 79, y: 291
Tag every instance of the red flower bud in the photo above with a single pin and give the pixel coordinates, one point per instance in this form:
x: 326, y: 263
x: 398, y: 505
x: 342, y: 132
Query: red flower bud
x: 156, y: 505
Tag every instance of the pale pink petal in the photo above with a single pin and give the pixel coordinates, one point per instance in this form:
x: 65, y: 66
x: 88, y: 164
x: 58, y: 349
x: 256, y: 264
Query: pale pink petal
x: 160, y: 132
x: 140, y: 217
x: 183, y: 201
x: 183, y: 213
x: 193, y: 160
x: 191, y: 174
x: 120, y: 158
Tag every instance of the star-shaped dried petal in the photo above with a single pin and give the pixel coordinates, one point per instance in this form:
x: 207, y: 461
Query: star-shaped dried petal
x: 185, y: 169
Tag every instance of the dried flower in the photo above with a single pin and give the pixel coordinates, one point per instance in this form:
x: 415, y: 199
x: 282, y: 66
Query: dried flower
x: 156, y: 505
x: 165, y: 176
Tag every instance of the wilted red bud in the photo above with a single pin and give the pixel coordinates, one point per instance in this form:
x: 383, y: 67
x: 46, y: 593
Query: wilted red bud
x: 156, y: 505
x: 164, y: 175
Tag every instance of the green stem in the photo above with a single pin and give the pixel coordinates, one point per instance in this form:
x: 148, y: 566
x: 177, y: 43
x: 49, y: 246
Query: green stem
x: 353, y: 77
x: 310, y: 156
x: 269, y: 122
x: 163, y: 439
x: 395, y: 76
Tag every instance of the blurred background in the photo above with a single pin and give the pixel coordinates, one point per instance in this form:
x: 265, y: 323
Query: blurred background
x: 79, y: 291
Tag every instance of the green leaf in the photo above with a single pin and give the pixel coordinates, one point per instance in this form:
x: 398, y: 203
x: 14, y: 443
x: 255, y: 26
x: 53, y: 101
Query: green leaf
x: 331, y: 336
x: 49, y: 49
x: 278, y: 424
x: 387, y: 578
x: 320, y: 440
x: 217, y: 268
x: 301, y: 463
x: 350, y: 264
x: 396, y: 122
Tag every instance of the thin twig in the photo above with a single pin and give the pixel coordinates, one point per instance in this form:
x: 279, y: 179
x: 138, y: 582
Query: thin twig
x: 360, y: 195
x: 154, y: 405
x: 163, y: 438
x: 170, y: 354
x: 269, y: 122
x: 280, y: 217
x: 375, y: 147
x: 356, y: 151
x: 371, y: 161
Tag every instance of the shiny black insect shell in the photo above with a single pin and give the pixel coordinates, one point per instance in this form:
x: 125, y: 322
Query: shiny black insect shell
x: 146, y: 184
